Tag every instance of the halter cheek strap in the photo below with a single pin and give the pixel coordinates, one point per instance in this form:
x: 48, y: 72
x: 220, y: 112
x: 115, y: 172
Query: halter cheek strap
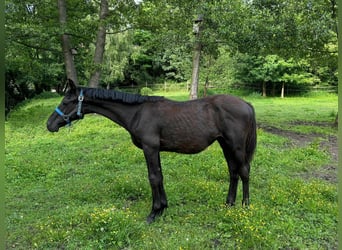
x: 78, y: 113
x: 79, y: 105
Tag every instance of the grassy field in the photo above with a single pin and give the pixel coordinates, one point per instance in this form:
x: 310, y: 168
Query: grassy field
x: 87, y: 188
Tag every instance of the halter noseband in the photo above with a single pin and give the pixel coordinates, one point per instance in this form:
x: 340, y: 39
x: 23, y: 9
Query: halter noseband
x: 78, y: 110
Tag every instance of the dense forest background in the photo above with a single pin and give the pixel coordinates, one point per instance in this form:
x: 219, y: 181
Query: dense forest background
x: 262, y: 46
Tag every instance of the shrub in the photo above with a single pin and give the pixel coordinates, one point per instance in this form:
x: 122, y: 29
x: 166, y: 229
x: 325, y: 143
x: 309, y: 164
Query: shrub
x: 146, y: 91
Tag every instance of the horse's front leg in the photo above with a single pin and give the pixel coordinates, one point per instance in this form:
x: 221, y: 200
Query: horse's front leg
x: 155, y: 177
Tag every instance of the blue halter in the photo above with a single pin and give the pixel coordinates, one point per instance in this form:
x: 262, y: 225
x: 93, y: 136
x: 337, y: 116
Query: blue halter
x: 78, y: 111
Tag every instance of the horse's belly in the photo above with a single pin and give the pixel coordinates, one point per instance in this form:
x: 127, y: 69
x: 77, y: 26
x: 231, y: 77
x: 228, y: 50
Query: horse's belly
x: 188, y: 133
x: 185, y: 145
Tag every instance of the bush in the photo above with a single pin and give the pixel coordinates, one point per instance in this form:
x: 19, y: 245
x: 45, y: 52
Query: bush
x: 146, y: 91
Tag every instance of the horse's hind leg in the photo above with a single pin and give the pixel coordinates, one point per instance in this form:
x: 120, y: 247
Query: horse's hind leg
x: 236, y: 166
x: 244, y: 174
x: 233, y: 173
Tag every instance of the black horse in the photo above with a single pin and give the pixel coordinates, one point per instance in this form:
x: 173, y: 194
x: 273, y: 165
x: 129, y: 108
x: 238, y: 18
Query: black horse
x: 158, y: 124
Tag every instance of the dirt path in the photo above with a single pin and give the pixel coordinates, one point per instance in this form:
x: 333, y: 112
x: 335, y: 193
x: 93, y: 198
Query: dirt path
x: 328, y: 143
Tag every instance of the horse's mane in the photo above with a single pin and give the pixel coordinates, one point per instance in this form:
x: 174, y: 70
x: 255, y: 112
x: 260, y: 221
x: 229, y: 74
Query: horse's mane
x: 117, y: 96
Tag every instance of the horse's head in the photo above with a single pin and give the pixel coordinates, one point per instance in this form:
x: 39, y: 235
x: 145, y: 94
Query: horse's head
x: 69, y: 109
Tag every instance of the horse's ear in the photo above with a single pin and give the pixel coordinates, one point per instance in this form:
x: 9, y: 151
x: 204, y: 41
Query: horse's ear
x: 69, y: 85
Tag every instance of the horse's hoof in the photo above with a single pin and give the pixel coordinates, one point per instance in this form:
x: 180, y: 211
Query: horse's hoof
x: 150, y: 219
x: 153, y: 215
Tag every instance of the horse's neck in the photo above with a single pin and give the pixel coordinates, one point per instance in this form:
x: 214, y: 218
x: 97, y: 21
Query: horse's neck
x: 119, y: 113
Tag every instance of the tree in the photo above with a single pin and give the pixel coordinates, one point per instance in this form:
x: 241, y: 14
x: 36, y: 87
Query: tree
x: 118, y: 49
x: 32, y: 55
x: 196, y: 57
x: 273, y: 72
x: 175, y: 63
x: 286, y: 28
x: 66, y: 44
x: 100, y: 45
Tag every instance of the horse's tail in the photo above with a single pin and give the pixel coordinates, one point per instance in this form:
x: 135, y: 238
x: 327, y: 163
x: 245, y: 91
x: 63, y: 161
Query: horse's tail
x: 251, y: 139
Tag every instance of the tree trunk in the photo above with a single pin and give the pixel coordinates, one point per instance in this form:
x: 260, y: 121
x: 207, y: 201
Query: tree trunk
x: 264, y: 89
x: 100, y: 45
x: 196, y: 58
x: 195, y: 71
x: 66, y: 45
x: 282, y: 90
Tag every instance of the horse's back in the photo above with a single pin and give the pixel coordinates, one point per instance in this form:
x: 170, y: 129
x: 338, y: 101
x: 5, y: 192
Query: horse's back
x: 202, y: 114
x: 230, y: 103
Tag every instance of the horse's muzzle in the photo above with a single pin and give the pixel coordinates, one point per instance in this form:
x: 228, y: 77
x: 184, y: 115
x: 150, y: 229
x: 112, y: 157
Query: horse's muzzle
x: 52, y: 128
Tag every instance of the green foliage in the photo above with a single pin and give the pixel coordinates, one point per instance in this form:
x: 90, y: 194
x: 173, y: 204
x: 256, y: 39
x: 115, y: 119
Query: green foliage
x: 152, y: 41
x: 275, y: 71
x: 176, y: 64
x: 146, y: 91
x: 219, y: 71
x: 118, y: 48
x: 87, y: 188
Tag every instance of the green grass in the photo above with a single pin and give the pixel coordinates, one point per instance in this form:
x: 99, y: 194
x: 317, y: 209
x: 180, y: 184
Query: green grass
x: 291, y: 113
x: 87, y: 188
